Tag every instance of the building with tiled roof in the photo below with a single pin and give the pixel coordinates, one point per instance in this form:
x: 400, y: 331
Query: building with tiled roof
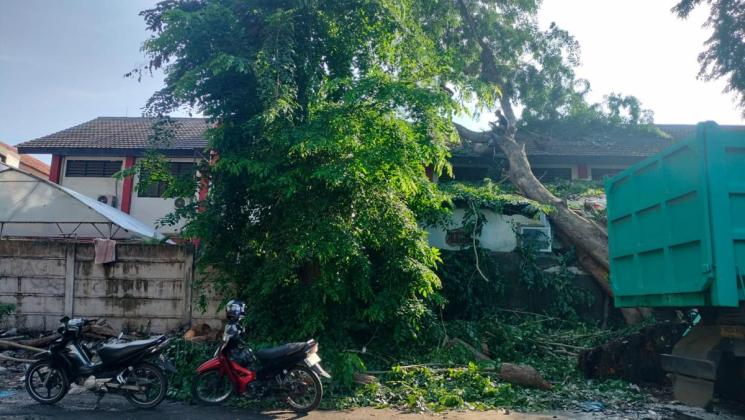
x: 85, y: 157
x: 594, y: 156
x: 129, y: 136
x: 9, y: 155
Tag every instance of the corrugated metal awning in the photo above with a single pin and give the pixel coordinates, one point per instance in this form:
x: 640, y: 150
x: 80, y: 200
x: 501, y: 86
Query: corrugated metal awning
x: 34, y: 207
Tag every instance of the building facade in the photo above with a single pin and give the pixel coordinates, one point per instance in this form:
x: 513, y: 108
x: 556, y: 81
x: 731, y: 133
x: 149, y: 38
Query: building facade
x: 9, y: 155
x: 86, y: 157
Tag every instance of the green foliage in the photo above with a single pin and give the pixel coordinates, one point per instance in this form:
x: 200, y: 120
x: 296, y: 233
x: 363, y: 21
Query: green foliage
x: 5, y: 310
x: 489, y: 195
x: 326, y: 115
x: 544, y: 342
x: 186, y: 357
x: 424, y: 389
x: 516, y: 283
x: 576, y: 189
x: 421, y: 389
x: 555, y: 292
x: 725, y: 49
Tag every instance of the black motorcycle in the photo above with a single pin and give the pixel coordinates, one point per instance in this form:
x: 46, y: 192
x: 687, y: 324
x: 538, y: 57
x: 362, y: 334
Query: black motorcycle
x: 134, y: 369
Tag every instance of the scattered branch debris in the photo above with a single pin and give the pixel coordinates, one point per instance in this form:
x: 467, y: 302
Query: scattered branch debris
x: 634, y: 357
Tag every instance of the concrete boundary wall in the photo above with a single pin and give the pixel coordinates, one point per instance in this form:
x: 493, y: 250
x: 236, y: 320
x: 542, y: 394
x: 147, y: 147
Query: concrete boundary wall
x: 148, y: 283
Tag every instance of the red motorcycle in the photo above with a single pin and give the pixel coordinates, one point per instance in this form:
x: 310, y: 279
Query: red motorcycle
x: 291, y: 371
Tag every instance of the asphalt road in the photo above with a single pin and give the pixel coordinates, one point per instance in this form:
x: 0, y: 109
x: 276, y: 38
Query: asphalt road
x: 78, y: 407
x: 20, y: 406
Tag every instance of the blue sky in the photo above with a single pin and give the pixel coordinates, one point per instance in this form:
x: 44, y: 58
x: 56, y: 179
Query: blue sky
x: 62, y: 62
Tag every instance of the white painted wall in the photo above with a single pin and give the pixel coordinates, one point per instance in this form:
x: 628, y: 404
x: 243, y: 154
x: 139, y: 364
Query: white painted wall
x: 152, y: 209
x: 93, y: 187
x: 497, y: 234
x: 146, y: 209
x: 11, y: 158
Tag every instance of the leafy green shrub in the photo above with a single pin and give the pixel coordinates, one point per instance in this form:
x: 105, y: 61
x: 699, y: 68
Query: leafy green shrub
x: 186, y: 356
x: 5, y: 310
x: 514, y: 282
x: 549, y: 344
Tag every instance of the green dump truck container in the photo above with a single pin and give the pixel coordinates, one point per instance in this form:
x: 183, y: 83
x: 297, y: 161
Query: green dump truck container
x: 676, y: 224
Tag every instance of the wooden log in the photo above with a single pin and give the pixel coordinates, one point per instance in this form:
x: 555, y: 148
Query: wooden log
x: 364, y: 379
x: 41, y: 341
x: 8, y: 345
x: 524, y: 375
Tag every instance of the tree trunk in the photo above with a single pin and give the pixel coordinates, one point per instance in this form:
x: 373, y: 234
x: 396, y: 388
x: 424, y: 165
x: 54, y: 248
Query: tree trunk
x: 585, y: 234
x: 590, y: 239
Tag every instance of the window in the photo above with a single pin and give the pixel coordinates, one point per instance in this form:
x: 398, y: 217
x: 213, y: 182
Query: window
x: 178, y: 170
x: 2, y: 158
x: 599, y: 174
x: 536, y: 237
x: 458, y: 237
x: 93, y: 168
x: 552, y: 174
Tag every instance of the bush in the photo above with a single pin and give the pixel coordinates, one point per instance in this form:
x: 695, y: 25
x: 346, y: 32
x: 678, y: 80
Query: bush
x: 5, y: 310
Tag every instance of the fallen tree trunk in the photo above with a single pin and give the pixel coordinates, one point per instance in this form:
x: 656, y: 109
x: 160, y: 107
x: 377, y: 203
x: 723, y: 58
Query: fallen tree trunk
x: 583, y: 233
x: 590, y: 239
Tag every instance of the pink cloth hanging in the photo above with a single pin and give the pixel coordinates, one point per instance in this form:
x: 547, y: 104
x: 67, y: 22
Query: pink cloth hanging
x: 105, y: 250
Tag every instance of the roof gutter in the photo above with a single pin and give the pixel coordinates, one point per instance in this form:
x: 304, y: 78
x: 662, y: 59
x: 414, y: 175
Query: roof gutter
x: 80, y: 151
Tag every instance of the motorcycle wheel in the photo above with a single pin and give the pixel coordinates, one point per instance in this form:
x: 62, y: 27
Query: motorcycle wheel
x: 153, y: 382
x: 304, y: 388
x: 45, y: 383
x: 211, y: 387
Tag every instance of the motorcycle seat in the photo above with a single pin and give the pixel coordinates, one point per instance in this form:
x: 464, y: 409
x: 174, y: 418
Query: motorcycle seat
x: 111, y: 352
x: 280, y: 351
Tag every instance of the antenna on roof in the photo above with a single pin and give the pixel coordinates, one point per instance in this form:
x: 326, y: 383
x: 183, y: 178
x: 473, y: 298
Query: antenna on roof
x: 126, y: 111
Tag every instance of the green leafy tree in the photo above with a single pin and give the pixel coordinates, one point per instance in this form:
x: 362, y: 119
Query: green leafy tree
x: 324, y: 117
x: 724, y: 56
x: 523, y: 74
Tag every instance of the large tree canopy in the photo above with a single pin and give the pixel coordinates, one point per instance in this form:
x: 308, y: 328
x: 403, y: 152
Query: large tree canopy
x: 326, y: 114
x: 502, y: 48
x: 724, y: 56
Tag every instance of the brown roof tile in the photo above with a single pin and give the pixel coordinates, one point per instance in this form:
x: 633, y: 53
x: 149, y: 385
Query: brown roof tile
x: 596, y: 145
x: 120, y: 133
x: 132, y: 133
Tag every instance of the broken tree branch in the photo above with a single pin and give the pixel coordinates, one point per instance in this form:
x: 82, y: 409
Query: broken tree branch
x: 524, y: 375
x: 7, y: 345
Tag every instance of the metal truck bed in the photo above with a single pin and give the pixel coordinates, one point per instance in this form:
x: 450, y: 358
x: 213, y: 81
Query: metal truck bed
x: 676, y: 224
